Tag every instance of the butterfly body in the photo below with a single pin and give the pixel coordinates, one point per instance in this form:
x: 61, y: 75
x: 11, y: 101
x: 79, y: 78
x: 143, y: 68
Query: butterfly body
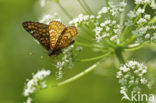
x: 53, y: 37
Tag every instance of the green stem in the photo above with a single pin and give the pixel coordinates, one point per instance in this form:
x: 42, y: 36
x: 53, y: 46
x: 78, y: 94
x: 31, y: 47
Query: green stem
x: 90, y: 46
x: 87, y: 7
x: 83, y: 7
x: 64, y: 10
x: 139, y: 15
x: 106, y: 1
x: 95, y: 58
x: 153, y: 20
x: 122, y: 17
x: 128, y: 41
x: 77, y: 76
x: 118, y: 53
x: 83, y: 44
x: 109, y: 43
x: 125, y: 32
x: 136, y: 47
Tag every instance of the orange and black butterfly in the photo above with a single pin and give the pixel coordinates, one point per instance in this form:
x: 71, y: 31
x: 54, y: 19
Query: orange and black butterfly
x: 54, y: 37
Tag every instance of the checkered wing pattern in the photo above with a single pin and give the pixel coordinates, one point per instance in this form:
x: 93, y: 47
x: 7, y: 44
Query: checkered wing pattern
x: 55, y: 30
x: 67, y: 37
x: 54, y: 37
x: 39, y: 31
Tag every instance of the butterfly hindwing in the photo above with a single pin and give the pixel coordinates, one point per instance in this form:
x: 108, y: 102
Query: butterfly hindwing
x: 55, y: 30
x: 39, y: 31
x: 67, y: 37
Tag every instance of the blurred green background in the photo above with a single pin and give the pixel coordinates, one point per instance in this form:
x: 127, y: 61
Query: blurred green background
x: 17, y: 65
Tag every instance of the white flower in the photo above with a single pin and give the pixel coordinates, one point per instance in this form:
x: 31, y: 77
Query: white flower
x: 29, y: 100
x: 107, y: 28
x: 131, y: 14
x: 147, y: 36
x: 153, y: 4
x: 115, y: 37
x: 139, y: 11
x: 138, y: 1
x: 131, y: 75
x: 119, y: 74
x: 82, y: 19
x: 123, y: 4
x: 66, y: 59
x: 143, y: 81
x: 147, y: 17
x: 103, y: 10
x: 47, y: 18
x: 114, y: 22
x: 98, y: 30
x: 142, y: 1
x: 30, y: 86
x: 59, y: 64
x: 141, y: 21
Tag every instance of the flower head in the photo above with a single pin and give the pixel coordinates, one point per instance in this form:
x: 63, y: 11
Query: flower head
x: 131, y: 75
x: 37, y: 81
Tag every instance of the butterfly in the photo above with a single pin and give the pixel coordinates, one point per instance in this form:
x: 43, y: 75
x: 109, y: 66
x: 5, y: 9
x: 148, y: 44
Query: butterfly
x: 53, y: 37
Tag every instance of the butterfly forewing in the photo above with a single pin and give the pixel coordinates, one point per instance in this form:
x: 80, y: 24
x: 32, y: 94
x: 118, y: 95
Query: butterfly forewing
x: 39, y: 31
x: 55, y: 30
x: 67, y: 37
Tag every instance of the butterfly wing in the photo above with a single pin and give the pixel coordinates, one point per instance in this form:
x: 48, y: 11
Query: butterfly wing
x: 55, y: 30
x: 39, y: 31
x: 67, y: 37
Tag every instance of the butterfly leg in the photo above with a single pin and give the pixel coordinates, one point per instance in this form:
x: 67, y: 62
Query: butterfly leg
x: 73, y: 41
x: 50, y: 52
x: 56, y: 52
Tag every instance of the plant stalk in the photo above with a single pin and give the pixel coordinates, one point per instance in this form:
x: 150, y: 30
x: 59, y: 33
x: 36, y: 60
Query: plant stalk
x: 119, y: 55
x: 64, y: 10
x: 76, y: 76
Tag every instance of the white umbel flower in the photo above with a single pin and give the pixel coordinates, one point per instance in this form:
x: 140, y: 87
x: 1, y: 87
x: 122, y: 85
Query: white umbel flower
x: 29, y: 100
x: 37, y: 80
x: 131, y: 75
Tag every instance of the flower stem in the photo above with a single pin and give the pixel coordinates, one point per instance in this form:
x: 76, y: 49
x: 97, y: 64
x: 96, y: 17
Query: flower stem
x: 122, y: 17
x: 106, y: 1
x: 87, y: 7
x: 95, y: 58
x: 76, y: 76
x: 83, y: 6
x: 87, y: 45
x: 153, y: 20
x: 118, y: 53
x: 136, y: 47
x: 64, y: 10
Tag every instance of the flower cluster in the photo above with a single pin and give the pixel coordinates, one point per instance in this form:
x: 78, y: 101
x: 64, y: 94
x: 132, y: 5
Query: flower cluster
x: 66, y: 59
x: 82, y: 19
x: 35, y: 83
x: 131, y: 76
x: 29, y: 100
x: 101, y: 24
x: 140, y: 20
x: 106, y: 25
x: 150, y: 2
